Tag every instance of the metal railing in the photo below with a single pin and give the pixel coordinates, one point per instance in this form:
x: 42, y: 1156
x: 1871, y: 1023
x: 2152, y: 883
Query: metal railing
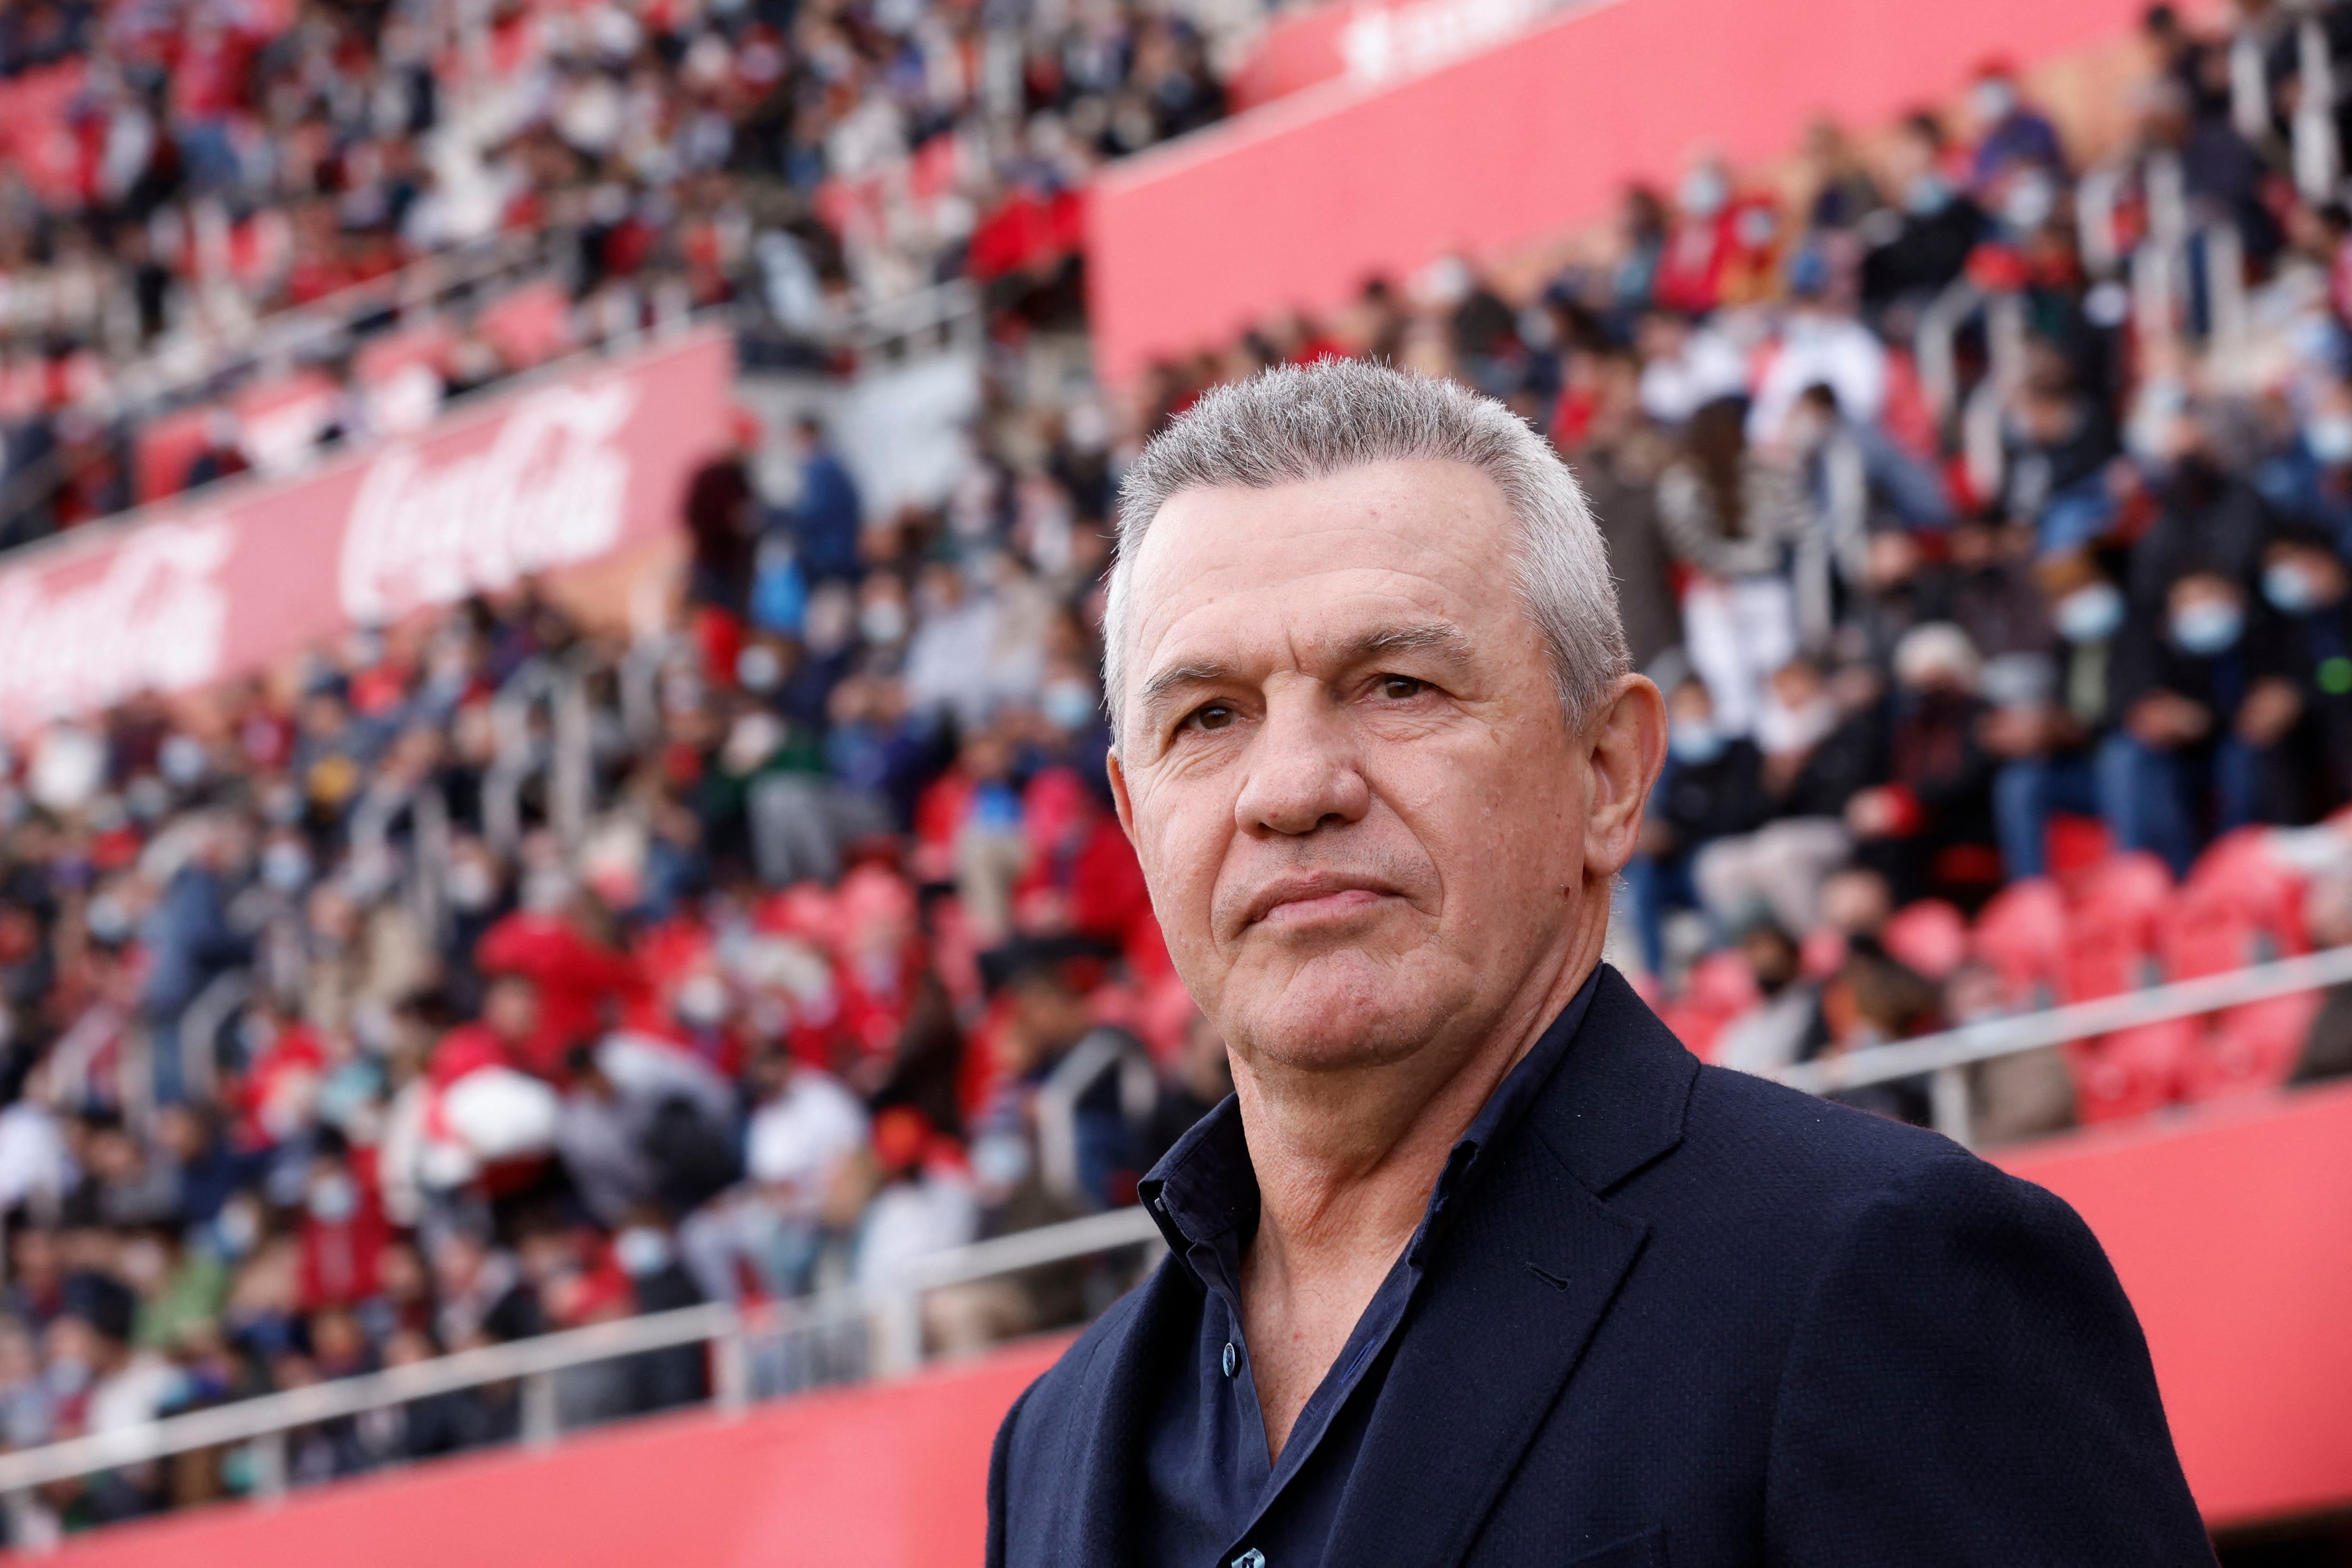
x: 1945, y: 1058
x: 742, y: 1339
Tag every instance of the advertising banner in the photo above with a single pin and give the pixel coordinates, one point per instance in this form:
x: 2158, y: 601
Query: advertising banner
x: 554, y: 473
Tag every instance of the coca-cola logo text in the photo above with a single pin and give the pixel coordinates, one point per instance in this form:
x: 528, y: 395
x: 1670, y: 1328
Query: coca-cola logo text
x: 551, y: 489
x: 154, y: 619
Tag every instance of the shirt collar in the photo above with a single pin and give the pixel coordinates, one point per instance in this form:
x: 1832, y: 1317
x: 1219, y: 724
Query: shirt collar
x: 1203, y: 1193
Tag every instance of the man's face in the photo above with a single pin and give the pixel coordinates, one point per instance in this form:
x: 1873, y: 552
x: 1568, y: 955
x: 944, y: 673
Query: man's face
x: 1344, y: 766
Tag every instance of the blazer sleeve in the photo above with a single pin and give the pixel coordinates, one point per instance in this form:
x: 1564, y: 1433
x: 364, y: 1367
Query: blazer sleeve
x: 999, y: 1460
x: 1967, y: 1386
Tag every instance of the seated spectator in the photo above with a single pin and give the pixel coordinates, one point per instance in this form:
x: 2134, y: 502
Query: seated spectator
x: 1712, y: 787
x: 1928, y: 828
x: 1733, y: 516
x: 2206, y: 701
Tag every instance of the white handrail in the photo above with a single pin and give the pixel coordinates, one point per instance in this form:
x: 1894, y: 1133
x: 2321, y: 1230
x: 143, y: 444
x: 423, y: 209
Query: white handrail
x: 1991, y: 1038
x: 532, y: 1361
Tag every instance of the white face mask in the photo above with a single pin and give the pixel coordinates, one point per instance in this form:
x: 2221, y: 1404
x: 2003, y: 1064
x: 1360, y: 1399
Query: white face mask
x: 883, y: 623
x: 2092, y: 613
x: 2329, y: 437
x: 1068, y: 705
x: 2208, y: 626
x: 1994, y: 100
x: 334, y: 1199
x: 641, y: 1250
x: 703, y: 1001
x: 1704, y: 192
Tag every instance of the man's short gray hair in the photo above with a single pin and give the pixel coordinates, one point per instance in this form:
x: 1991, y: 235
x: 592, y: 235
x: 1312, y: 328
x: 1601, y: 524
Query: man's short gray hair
x: 1306, y: 422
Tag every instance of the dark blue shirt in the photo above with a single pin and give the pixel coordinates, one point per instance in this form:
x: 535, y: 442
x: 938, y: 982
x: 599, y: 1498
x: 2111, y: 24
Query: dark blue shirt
x: 1214, y: 1498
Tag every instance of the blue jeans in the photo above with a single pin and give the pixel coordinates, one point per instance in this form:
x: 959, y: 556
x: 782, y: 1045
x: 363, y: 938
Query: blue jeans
x: 2025, y: 792
x: 2150, y: 797
x: 1657, y: 886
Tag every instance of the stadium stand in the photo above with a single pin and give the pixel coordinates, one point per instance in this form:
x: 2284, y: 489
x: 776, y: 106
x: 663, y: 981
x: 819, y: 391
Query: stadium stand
x: 500, y: 962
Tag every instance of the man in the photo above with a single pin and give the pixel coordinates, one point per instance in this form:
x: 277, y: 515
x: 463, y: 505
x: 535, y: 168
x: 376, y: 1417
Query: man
x: 1479, y: 1266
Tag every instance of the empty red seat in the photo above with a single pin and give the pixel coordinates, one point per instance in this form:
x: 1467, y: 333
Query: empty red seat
x: 2132, y: 1071
x: 2128, y: 893
x: 1931, y: 936
x: 2251, y: 1048
x: 2019, y: 935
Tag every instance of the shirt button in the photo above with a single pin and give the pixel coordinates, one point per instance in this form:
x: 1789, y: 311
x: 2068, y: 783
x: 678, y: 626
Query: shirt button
x: 1232, y: 1360
x: 1253, y: 1558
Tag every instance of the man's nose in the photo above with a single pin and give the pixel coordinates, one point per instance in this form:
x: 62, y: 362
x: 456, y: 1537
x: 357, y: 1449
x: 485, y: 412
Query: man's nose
x: 1303, y: 772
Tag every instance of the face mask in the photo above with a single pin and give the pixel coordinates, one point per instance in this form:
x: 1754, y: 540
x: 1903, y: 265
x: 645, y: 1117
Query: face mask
x: 1927, y: 196
x: 1780, y: 728
x: 758, y: 668
x: 1068, y: 705
x: 471, y: 886
x: 2030, y: 199
x: 1992, y: 101
x: 1695, y: 742
x: 334, y: 1200
x: 641, y: 1250
x: 883, y: 623
x: 2207, y: 627
x: 68, y: 1377
x: 2093, y: 613
x: 1703, y: 193
x: 108, y: 920
x: 182, y: 760
x: 236, y: 1228
x: 2289, y: 588
x: 2329, y: 437
x: 703, y: 1001
x: 285, y: 867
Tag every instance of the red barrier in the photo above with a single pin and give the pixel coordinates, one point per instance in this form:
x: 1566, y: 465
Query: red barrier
x: 553, y: 474
x: 883, y: 1477
x: 1296, y: 203
x: 2228, y: 1231
x: 2231, y: 1232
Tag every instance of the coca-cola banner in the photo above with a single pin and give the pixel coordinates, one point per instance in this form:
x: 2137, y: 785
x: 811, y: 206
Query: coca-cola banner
x: 554, y: 473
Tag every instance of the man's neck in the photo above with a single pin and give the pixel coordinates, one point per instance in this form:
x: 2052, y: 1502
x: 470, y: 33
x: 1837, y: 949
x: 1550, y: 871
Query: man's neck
x: 1345, y: 1164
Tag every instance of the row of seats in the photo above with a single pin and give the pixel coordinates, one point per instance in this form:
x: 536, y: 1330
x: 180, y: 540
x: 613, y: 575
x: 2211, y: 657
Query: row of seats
x: 2103, y: 925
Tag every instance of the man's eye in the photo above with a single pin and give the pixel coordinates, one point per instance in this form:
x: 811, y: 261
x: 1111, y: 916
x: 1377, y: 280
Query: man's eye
x: 1397, y: 688
x: 1215, y: 716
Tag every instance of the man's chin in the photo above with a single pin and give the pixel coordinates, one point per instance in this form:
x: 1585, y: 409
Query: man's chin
x: 1334, y: 1023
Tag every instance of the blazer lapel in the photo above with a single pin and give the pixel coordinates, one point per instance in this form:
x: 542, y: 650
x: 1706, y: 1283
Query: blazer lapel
x: 1094, y: 1508
x: 1518, y: 1282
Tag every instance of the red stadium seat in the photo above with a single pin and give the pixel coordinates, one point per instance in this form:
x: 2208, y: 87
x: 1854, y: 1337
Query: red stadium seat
x: 2251, y: 1048
x: 2128, y: 893
x: 1931, y: 936
x: 2019, y: 936
x: 2132, y: 1071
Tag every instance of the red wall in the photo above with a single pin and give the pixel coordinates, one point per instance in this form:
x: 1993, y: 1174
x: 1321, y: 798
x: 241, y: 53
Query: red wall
x: 1296, y: 203
x: 2233, y: 1231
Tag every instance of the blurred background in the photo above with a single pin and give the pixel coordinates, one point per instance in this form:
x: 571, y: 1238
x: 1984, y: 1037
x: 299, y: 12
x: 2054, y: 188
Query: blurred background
x: 554, y: 860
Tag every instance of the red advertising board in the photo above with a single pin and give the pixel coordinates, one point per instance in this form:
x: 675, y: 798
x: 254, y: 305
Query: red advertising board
x: 555, y: 473
x: 1371, y: 42
x: 2226, y: 1226
x: 1296, y: 203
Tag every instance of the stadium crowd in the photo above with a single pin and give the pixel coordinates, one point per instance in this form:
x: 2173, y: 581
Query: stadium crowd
x: 172, y: 172
x: 490, y: 973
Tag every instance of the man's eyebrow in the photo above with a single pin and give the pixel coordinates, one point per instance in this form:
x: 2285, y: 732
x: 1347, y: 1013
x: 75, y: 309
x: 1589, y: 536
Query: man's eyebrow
x: 1436, y: 637
x: 1425, y: 636
x: 1174, y: 677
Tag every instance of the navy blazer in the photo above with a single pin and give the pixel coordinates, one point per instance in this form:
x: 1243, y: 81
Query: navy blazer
x: 1689, y: 1317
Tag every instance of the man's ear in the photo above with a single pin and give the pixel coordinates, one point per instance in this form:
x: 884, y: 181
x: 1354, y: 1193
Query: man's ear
x: 1118, y: 800
x: 1627, y: 742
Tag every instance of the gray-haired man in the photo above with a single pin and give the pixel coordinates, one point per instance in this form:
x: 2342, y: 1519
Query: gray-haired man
x: 1478, y: 1265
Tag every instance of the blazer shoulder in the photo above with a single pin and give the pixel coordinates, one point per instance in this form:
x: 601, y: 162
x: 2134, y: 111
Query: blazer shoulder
x: 1798, y: 1167
x: 1060, y: 1391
